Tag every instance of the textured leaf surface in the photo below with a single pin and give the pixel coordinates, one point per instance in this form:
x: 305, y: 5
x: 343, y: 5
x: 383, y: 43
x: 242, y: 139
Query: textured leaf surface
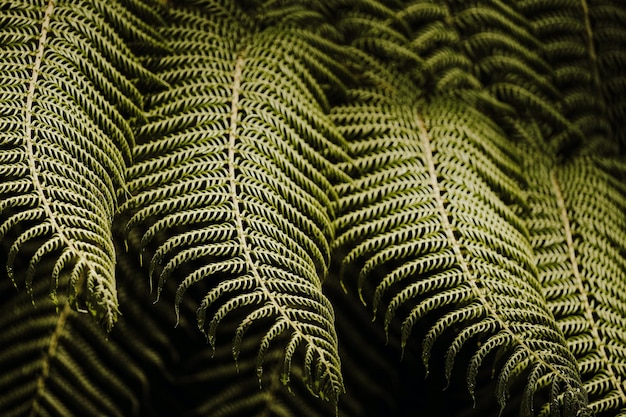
x: 459, y: 164
x: 578, y: 230
x: 234, y: 169
x: 584, y: 50
x: 67, y: 107
x: 432, y: 226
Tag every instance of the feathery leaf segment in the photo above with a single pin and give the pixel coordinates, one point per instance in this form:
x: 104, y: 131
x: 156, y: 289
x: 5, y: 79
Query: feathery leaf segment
x: 68, y: 104
x: 239, y: 151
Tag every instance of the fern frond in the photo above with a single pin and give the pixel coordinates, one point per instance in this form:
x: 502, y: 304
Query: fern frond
x: 56, y: 362
x: 419, y: 39
x: 484, y: 47
x: 432, y: 224
x: 233, y: 179
x: 579, y: 232
x: 569, y: 34
x: 235, y: 389
x: 68, y: 107
x: 375, y: 383
x: 507, y: 61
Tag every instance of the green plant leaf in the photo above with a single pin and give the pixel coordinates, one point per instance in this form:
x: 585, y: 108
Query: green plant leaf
x: 234, y: 169
x: 579, y: 232
x: 67, y: 110
x: 432, y: 226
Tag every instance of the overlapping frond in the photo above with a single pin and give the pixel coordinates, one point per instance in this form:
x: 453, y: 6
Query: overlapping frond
x: 57, y: 362
x: 578, y: 229
x: 233, y: 178
x: 486, y: 46
x: 376, y: 382
x: 432, y: 225
x: 456, y: 163
x: 235, y: 389
x: 418, y: 37
x: 68, y: 104
x: 507, y: 59
x: 585, y: 51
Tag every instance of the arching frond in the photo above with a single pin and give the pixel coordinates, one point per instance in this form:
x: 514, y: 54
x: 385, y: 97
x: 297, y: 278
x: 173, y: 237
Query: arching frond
x: 507, y: 59
x: 579, y: 232
x: 457, y: 166
x: 67, y: 110
x: 419, y: 39
x: 432, y: 225
x: 234, y: 170
x: 235, y: 388
x: 487, y: 47
x: 375, y: 383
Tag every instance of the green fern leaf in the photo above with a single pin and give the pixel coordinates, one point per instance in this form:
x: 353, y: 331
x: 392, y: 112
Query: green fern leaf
x: 574, y: 44
x: 432, y: 225
x: 67, y: 110
x: 56, y: 362
x: 579, y: 232
x: 233, y: 176
x: 235, y: 390
x: 242, y: 189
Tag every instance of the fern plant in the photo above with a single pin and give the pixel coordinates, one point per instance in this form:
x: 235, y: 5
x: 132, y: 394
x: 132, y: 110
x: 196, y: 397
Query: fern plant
x: 265, y: 176
x: 238, y: 149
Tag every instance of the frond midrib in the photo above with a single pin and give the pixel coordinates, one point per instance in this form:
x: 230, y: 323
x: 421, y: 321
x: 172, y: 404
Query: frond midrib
x: 28, y: 125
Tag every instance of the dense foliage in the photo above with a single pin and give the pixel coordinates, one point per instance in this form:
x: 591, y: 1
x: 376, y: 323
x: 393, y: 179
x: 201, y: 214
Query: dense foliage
x: 204, y: 204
